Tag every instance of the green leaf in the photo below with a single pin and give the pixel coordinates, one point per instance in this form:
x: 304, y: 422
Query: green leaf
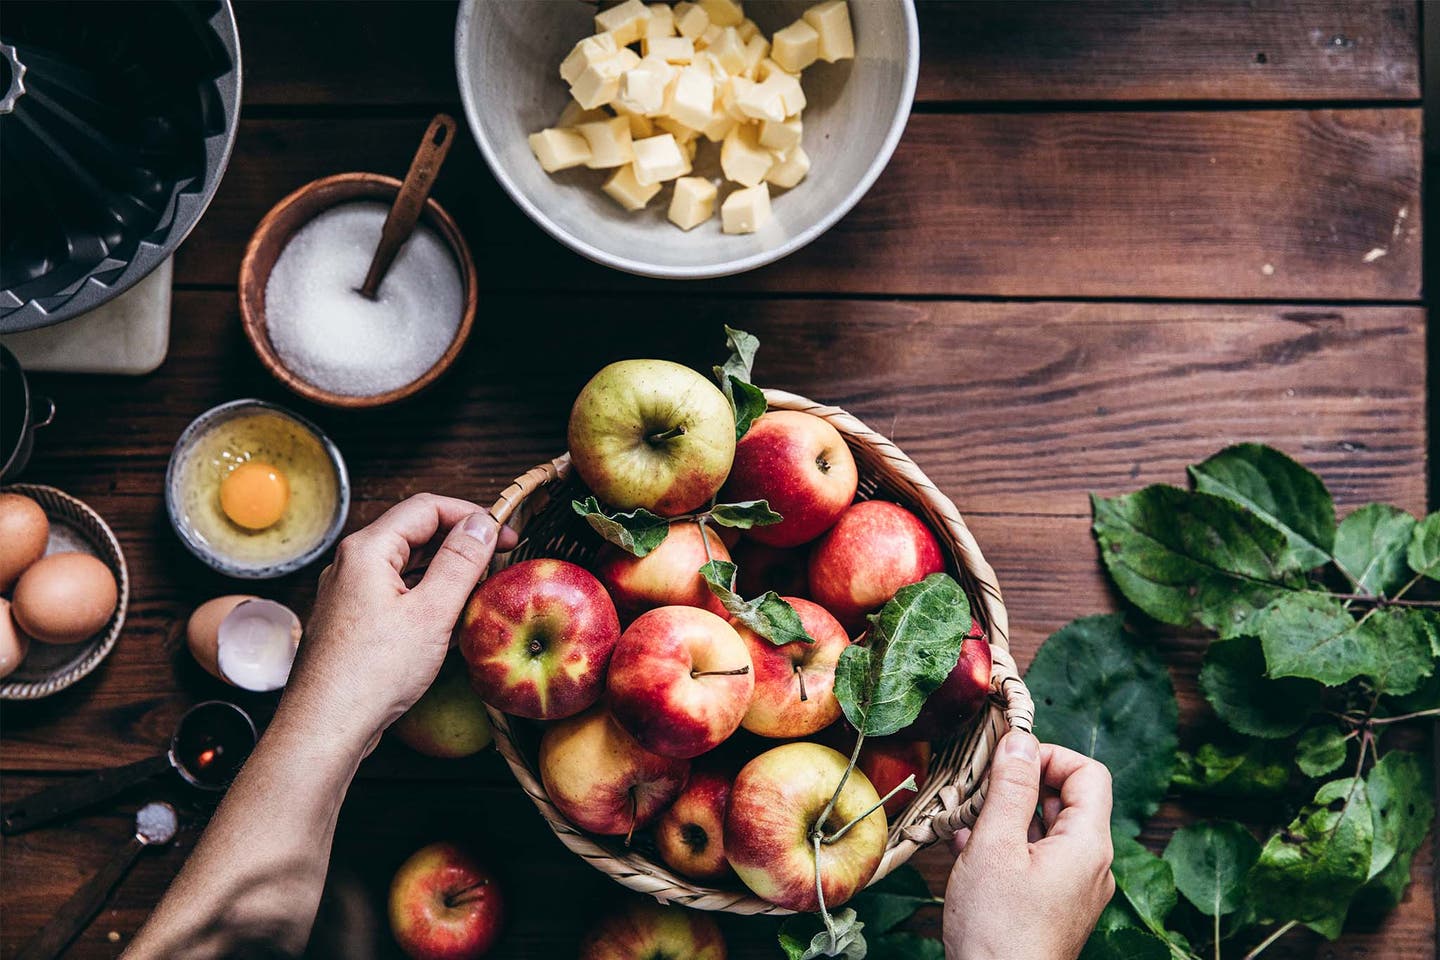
x: 1370, y: 548
x: 744, y: 515
x: 768, y: 616
x: 1210, y: 862
x: 1329, y: 926
x: 1101, y: 692
x: 1313, y: 635
x: 914, y: 643
x: 1280, y: 491
x: 1128, y: 943
x: 743, y: 347
x: 1252, y: 770
x: 1147, y: 882
x: 1319, y: 860
x: 1423, y: 555
x: 1193, y: 558
x: 1399, y: 789
x: 637, y: 532
x: 1234, y: 682
x: 1320, y: 751
x: 804, y: 937
x: 906, y: 946
x: 1384, y: 891
x: 746, y: 399
x: 887, y: 903
x: 749, y: 404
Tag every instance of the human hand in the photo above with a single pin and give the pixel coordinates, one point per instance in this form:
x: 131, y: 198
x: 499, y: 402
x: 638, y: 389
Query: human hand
x: 1014, y: 894
x: 374, y: 645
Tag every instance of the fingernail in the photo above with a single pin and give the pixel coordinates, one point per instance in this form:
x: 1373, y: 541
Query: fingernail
x: 1021, y: 746
x: 481, y: 526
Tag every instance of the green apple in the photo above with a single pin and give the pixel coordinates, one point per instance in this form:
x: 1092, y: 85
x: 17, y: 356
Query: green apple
x: 652, y: 434
x: 449, y: 720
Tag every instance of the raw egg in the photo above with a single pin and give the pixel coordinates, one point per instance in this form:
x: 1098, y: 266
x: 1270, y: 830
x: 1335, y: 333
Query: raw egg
x: 65, y: 598
x: 24, y: 531
x: 254, y: 495
x: 13, y: 643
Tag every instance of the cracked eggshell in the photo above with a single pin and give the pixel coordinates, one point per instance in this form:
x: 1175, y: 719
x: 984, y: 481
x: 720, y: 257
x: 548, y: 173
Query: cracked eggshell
x: 256, y: 643
x: 203, y: 631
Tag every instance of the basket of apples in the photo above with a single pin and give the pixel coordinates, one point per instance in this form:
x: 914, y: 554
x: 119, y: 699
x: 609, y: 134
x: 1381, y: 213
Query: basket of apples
x: 746, y: 657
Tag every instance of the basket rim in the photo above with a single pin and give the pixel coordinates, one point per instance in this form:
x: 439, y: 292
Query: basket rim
x: 945, y: 804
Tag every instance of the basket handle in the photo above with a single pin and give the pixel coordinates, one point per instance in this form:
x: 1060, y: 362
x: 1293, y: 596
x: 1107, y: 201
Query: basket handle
x: 528, y: 483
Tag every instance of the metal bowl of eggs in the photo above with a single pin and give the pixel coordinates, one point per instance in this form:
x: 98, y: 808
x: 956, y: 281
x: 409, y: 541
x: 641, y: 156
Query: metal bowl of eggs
x: 256, y: 491
x: 67, y: 587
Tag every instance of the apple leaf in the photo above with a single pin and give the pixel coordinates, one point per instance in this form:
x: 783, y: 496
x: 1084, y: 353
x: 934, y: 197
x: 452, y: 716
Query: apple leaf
x: 914, y: 644
x: 1400, y: 804
x: 1210, y: 862
x: 637, y: 532
x: 743, y: 347
x: 746, y: 399
x: 1249, y: 770
x: 887, y: 903
x: 1319, y: 860
x: 1320, y: 751
x: 1280, y: 491
x: 1193, y: 558
x: 1370, y: 547
x: 743, y: 515
x: 1098, y: 690
x: 768, y: 616
x: 1147, y: 882
x: 906, y: 946
x: 804, y: 937
x: 1313, y: 635
x: 1234, y: 682
x: 1125, y: 943
x: 1423, y: 554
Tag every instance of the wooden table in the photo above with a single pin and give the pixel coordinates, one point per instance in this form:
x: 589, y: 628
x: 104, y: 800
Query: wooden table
x: 1115, y: 238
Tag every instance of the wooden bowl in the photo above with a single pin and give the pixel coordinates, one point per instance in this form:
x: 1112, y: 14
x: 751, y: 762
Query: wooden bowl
x: 275, y: 231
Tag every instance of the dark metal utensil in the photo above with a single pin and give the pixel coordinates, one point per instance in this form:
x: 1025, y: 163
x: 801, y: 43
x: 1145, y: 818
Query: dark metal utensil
x: 405, y: 212
x: 155, y: 823
x: 210, y: 743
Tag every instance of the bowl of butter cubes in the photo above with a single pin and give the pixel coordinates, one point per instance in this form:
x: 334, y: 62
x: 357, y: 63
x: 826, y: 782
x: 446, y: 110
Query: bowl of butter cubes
x: 691, y: 139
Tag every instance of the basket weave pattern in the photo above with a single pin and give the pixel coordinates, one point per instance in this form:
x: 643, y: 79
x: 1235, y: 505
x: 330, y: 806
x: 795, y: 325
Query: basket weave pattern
x: 538, y: 506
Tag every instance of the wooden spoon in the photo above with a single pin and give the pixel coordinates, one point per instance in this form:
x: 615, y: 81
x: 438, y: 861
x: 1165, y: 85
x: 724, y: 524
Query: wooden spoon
x: 400, y: 222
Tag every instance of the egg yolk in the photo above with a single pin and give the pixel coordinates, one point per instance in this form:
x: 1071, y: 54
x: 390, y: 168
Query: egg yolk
x: 254, y: 495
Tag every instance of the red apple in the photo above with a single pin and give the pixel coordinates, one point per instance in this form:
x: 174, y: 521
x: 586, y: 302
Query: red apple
x: 680, y: 681
x: 645, y: 930
x: 802, y: 466
x: 668, y: 576
x: 795, y: 683
x: 444, y: 905
x: 691, y: 834
x: 652, y: 434
x: 887, y: 762
x: 449, y: 721
x: 963, y: 693
x: 874, y: 549
x: 774, y: 805
x: 761, y: 567
x: 538, y: 637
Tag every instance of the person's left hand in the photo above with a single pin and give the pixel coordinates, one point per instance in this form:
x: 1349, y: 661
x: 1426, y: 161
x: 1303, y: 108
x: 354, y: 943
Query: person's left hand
x: 373, y: 645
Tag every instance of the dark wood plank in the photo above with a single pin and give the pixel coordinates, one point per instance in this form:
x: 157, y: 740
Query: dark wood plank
x: 1016, y: 410
x: 403, y: 52
x: 1265, y: 204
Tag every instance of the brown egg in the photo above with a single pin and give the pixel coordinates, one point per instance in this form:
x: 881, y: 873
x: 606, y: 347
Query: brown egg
x: 64, y: 598
x: 24, y: 531
x: 202, y: 633
x: 13, y: 643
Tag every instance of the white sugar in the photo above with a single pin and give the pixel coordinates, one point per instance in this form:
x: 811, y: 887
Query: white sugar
x: 339, y: 341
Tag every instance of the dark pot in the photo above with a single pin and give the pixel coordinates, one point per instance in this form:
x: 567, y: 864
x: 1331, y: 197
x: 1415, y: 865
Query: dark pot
x: 20, y: 416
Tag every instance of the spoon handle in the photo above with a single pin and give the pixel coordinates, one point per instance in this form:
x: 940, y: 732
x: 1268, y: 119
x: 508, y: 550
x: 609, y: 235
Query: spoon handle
x: 52, y: 802
x: 75, y: 915
x: 410, y: 200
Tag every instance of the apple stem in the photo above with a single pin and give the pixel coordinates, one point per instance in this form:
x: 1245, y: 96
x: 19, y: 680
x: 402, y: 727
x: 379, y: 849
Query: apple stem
x: 737, y: 672
x: 634, y: 813
x: 671, y: 434
x: 820, y: 894
x: 908, y: 784
x: 818, y: 829
x: 453, y: 900
x: 800, y: 678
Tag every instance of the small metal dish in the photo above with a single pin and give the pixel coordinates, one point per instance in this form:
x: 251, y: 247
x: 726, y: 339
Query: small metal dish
x: 175, y: 510
x: 49, y: 668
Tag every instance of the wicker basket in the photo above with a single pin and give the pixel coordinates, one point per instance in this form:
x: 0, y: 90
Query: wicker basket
x: 538, y: 506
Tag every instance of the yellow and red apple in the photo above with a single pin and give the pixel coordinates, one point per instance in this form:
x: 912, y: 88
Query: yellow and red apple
x: 691, y: 834
x: 802, y: 466
x: 667, y: 576
x: 449, y: 721
x: 795, y: 682
x: 645, y: 930
x: 538, y: 637
x: 444, y: 905
x: 874, y: 549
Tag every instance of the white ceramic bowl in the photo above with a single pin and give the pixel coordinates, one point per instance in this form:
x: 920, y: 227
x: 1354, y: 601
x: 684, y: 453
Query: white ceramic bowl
x: 507, y: 57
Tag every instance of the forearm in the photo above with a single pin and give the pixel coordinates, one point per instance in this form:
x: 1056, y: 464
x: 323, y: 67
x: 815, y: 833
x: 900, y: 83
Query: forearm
x: 257, y: 873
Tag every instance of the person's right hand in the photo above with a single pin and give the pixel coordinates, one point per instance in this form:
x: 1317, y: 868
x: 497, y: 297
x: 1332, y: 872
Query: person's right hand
x: 1014, y: 895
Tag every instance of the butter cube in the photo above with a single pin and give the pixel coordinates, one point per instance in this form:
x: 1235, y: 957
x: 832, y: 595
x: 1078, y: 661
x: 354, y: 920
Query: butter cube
x: 745, y: 211
x: 783, y: 136
x: 719, y: 127
x: 717, y: 72
x: 756, y: 49
x: 642, y: 90
x: 831, y: 21
x: 625, y: 190
x: 767, y: 68
x: 676, y: 129
x: 640, y: 126
x: 692, y: 98
x: 748, y: 29
x: 757, y: 101
x: 692, y: 203
x: 661, y: 22
x: 670, y: 49
x: 796, y: 47
x: 742, y: 158
x: 559, y: 149
x: 787, y: 89
x: 659, y: 158
x: 586, y: 53
x: 729, y: 51
x: 599, y: 83
x: 627, y: 21
x: 791, y: 168
x: 627, y: 58
x: 610, y: 142
x: 712, y: 33
x: 725, y: 13
x: 691, y: 22
x: 573, y: 115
